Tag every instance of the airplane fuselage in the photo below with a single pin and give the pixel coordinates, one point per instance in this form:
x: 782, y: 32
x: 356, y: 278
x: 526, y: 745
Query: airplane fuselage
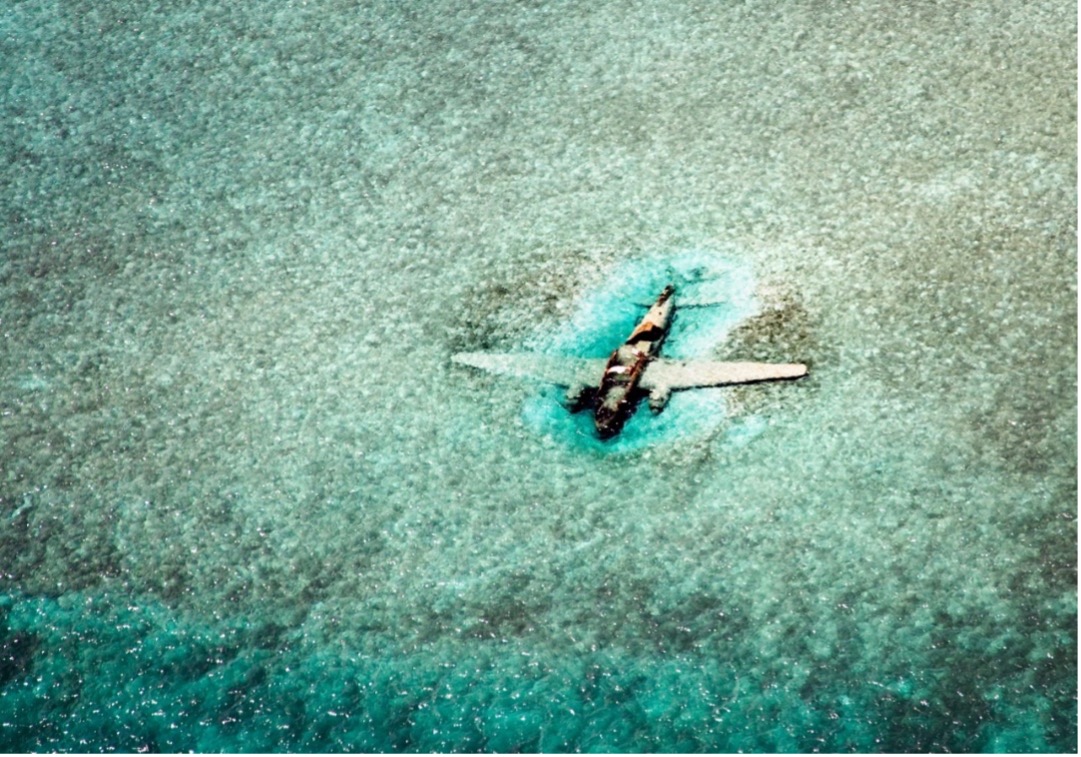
x: 617, y: 396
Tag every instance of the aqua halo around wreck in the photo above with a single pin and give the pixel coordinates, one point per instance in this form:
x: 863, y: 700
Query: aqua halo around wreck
x: 613, y: 388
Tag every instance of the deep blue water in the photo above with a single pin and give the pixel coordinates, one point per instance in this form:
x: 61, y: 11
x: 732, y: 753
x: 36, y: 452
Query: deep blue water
x: 247, y: 503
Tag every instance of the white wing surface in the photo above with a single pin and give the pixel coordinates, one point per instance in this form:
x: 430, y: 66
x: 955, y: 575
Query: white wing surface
x: 554, y: 369
x: 667, y: 375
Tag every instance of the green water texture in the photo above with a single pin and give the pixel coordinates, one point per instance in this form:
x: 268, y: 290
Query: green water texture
x: 248, y: 503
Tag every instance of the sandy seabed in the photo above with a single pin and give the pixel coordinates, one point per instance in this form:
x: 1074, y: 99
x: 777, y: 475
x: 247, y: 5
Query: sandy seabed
x: 247, y: 503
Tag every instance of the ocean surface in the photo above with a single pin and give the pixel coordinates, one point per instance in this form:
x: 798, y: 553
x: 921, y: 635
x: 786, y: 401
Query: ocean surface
x: 248, y: 503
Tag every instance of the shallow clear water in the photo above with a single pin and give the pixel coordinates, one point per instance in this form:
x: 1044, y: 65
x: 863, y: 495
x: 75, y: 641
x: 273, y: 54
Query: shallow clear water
x: 247, y: 502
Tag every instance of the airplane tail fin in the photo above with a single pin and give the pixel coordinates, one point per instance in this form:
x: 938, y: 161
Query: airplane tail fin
x: 681, y: 303
x: 700, y: 303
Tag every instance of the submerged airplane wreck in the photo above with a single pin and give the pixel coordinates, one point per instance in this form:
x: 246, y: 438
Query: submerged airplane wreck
x: 613, y: 388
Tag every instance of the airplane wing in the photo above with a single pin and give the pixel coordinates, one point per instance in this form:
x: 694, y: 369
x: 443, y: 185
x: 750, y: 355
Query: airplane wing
x: 666, y: 375
x: 554, y: 369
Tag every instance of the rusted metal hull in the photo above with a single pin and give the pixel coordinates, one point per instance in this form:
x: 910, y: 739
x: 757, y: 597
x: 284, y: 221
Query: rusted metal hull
x: 617, y: 397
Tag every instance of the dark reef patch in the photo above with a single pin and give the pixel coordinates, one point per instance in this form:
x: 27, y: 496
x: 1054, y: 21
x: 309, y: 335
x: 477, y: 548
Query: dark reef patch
x: 503, y: 310
x: 783, y: 331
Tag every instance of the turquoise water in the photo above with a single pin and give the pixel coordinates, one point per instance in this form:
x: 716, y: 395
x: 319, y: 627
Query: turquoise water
x: 247, y: 503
